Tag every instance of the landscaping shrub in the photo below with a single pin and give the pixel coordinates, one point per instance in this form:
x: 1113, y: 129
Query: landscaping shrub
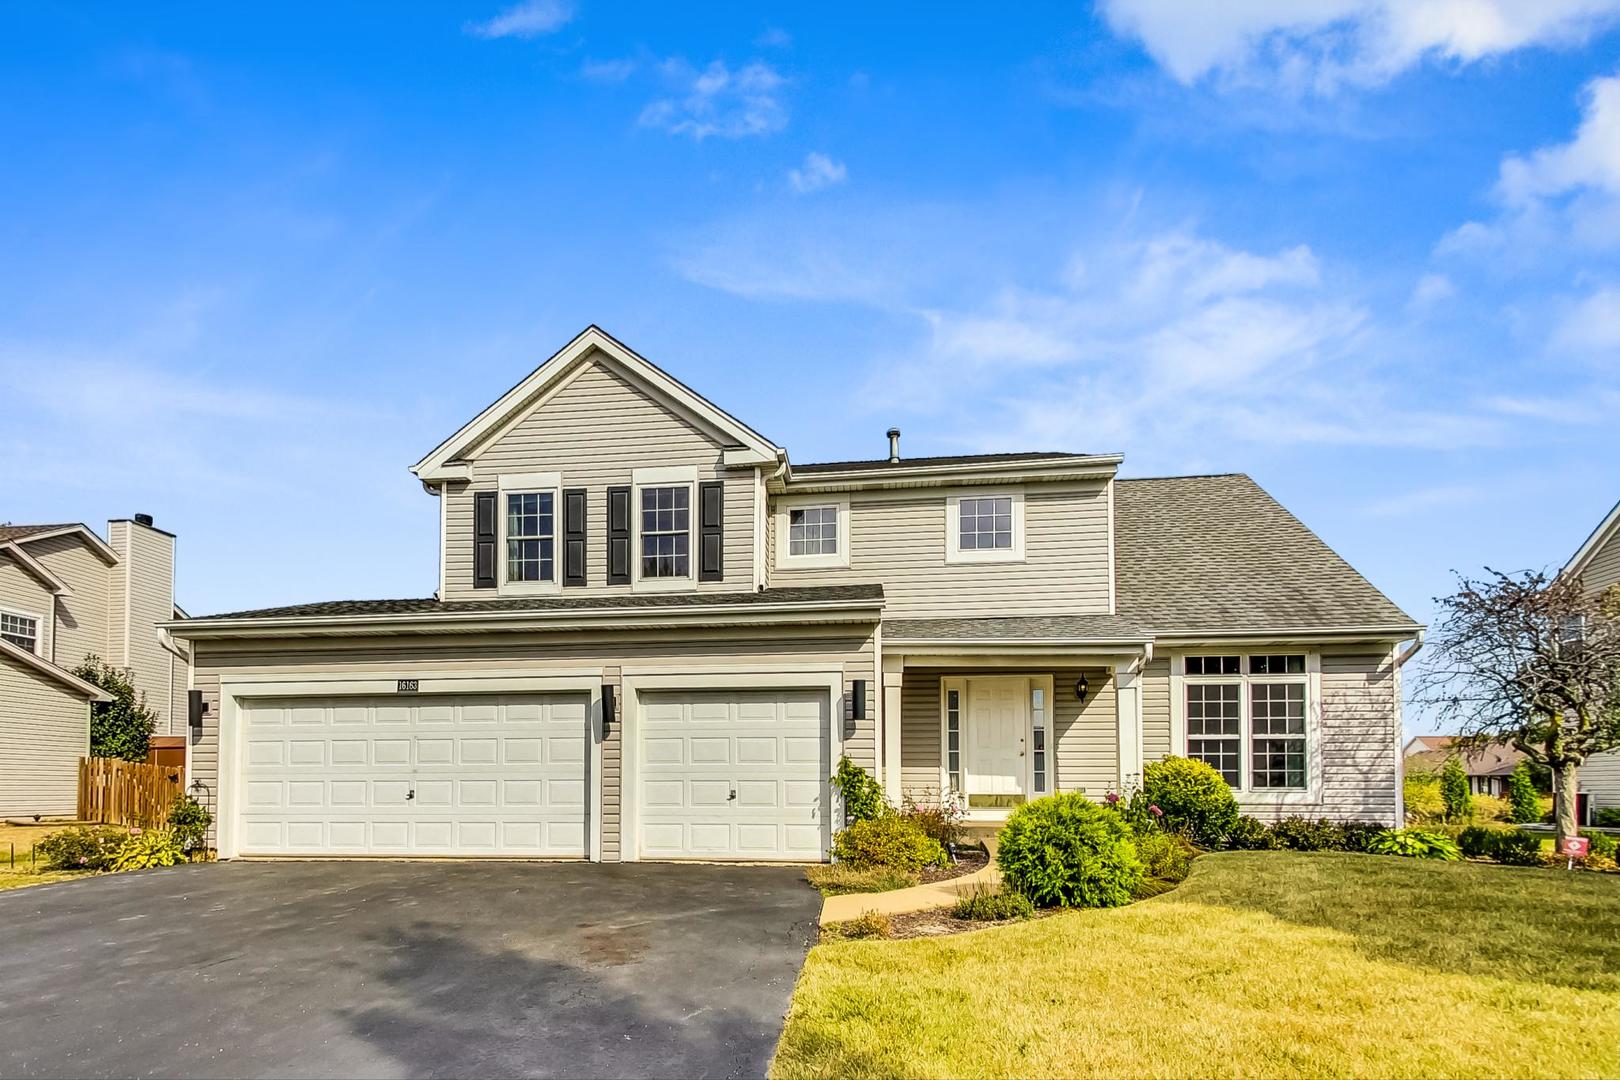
x: 863, y: 795
x: 189, y: 822
x: 1250, y: 834
x: 1477, y: 842
x: 1492, y: 808
x: 81, y: 848
x: 1359, y: 835
x: 1299, y: 834
x: 1515, y: 848
x: 147, y: 848
x: 1166, y: 856
x: 890, y: 841
x: 1524, y: 802
x: 942, y: 823
x: 1416, y: 844
x: 987, y: 905
x: 1454, y: 793
x: 1138, y: 811
x: 837, y: 879
x: 1608, y: 817
x: 1065, y: 851
x: 868, y: 924
x: 1604, y: 845
x: 1194, y: 798
x: 1421, y: 795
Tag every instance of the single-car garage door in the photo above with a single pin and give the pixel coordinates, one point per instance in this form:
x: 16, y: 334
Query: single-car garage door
x: 435, y: 775
x: 733, y: 774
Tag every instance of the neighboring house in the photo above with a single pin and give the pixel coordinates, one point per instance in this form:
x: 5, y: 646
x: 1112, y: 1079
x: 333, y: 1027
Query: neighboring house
x: 655, y: 635
x: 1488, y: 768
x: 65, y: 593
x: 1598, y: 564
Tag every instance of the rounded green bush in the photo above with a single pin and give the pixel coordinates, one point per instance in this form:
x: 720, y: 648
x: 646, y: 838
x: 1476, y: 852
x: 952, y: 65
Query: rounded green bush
x: 1251, y: 834
x: 1166, y: 856
x: 1066, y: 851
x: 1416, y: 844
x: 1194, y: 798
x: 892, y: 841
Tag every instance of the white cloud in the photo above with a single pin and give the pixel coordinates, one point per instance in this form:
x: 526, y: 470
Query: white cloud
x: 818, y: 171
x: 608, y: 71
x: 718, y: 101
x: 1431, y: 291
x: 532, y: 18
x: 774, y: 38
x: 1319, y: 45
x: 1592, y: 326
x: 1591, y: 160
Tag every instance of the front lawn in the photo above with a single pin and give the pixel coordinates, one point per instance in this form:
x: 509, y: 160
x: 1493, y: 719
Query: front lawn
x: 21, y: 838
x: 1260, y: 964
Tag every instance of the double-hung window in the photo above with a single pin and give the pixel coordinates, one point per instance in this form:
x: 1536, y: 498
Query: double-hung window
x: 666, y: 532
x: 529, y: 519
x: 21, y: 630
x: 1247, y: 717
x: 985, y: 527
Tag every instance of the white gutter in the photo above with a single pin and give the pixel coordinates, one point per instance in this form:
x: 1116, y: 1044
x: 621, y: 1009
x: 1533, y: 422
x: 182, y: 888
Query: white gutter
x: 1411, y: 650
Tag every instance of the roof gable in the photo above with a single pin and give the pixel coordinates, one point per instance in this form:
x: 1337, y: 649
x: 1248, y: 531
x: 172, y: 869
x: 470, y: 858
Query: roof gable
x: 37, y: 569
x: 25, y: 659
x: 1608, y: 530
x: 29, y: 534
x: 744, y: 444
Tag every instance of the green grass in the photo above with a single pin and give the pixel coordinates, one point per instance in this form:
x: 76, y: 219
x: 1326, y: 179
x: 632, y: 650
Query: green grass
x: 1260, y: 964
x: 22, y: 838
x: 838, y: 879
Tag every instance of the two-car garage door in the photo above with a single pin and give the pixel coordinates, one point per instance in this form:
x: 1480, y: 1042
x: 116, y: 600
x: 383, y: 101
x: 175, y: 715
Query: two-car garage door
x: 439, y: 775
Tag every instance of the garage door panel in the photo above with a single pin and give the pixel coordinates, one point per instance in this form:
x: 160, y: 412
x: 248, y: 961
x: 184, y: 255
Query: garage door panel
x: 732, y: 774
x: 439, y: 776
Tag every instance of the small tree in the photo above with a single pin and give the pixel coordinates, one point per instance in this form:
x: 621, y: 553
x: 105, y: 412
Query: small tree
x: 122, y: 727
x: 1459, y: 801
x: 1531, y: 661
x: 1522, y: 796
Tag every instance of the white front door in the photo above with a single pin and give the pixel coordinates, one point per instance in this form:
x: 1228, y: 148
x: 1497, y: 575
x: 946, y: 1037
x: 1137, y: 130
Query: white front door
x: 997, y: 727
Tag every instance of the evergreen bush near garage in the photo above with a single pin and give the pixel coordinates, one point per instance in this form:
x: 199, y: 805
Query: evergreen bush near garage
x: 891, y: 841
x: 1194, y: 798
x: 189, y: 822
x: 122, y: 727
x: 1066, y: 851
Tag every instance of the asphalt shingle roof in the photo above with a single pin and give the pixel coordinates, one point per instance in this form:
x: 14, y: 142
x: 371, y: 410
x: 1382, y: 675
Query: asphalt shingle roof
x: 17, y: 532
x: 880, y: 464
x: 1014, y: 628
x: 428, y: 605
x: 1218, y: 553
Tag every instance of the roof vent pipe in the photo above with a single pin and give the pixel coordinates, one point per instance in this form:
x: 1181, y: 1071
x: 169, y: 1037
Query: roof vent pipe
x: 144, y: 519
x: 894, y: 446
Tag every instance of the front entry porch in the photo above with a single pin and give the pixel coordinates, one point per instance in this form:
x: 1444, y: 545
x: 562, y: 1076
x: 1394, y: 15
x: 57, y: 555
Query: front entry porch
x: 993, y: 732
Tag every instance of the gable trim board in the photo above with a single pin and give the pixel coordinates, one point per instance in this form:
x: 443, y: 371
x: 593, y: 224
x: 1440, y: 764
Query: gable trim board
x: 1609, y: 528
x: 83, y: 532
x: 36, y: 568
x: 68, y: 680
x: 443, y: 462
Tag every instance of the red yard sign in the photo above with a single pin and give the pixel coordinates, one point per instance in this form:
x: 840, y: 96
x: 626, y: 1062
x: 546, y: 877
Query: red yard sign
x: 1576, y: 847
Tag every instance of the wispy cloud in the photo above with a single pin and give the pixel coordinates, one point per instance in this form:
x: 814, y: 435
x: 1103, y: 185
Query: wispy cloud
x: 818, y: 171
x: 719, y: 102
x: 608, y: 71
x: 1423, y: 500
x: 1322, y: 45
x: 532, y: 18
x: 774, y: 38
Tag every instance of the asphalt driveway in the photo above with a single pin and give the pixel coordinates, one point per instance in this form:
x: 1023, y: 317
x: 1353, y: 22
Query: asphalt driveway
x: 361, y: 969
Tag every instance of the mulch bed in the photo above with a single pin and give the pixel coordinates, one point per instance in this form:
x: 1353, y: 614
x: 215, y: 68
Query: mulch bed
x: 940, y: 922
x: 967, y: 862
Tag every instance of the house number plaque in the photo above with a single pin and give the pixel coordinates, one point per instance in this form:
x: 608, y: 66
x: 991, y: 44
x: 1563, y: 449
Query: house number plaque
x: 408, y: 686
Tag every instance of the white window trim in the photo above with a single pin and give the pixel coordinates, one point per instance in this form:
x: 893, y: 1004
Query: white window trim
x: 784, y: 507
x: 39, y: 624
x: 525, y: 484
x: 674, y: 476
x: 953, y: 529
x: 1245, y: 792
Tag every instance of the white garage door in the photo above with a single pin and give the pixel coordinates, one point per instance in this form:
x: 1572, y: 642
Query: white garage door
x: 737, y: 775
x: 436, y: 775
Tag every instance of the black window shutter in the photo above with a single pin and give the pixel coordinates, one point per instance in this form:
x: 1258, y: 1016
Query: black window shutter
x: 711, y: 530
x: 484, y: 539
x: 573, y: 536
x: 618, y: 536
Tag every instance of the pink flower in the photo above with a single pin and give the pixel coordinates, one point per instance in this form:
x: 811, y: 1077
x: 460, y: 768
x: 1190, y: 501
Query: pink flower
x: 1112, y: 798
x: 1155, y: 811
x: 135, y: 831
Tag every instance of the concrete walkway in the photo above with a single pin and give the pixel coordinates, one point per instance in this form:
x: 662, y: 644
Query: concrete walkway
x: 937, y: 894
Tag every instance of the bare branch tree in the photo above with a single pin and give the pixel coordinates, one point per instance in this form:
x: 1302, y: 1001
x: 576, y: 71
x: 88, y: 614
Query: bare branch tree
x: 1533, y: 662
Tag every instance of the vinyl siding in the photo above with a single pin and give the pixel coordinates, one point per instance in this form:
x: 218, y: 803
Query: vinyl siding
x: 1087, y: 736
x: 1600, y: 778
x: 1603, y: 570
x: 595, y: 432
x: 23, y: 594
x: 117, y: 651
x: 81, y: 619
x: 148, y: 569
x: 1358, y: 741
x: 897, y: 539
x: 44, y: 730
x: 848, y: 648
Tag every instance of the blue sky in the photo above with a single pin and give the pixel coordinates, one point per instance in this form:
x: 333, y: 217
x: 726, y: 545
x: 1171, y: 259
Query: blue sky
x: 253, y: 264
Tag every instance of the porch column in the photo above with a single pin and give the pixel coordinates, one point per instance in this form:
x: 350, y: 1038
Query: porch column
x: 893, y: 672
x: 1128, y: 707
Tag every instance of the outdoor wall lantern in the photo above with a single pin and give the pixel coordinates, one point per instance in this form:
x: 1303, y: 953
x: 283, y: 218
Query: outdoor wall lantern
x: 1082, y: 688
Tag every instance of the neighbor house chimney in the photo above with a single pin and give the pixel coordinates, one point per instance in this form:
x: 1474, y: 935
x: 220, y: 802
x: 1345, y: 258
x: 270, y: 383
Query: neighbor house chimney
x: 894, y: 446
x: 144, y: 519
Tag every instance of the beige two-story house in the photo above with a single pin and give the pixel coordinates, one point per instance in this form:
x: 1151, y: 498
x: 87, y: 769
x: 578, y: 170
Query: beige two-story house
x: 1597, y: 564
x: 655, y: 635
x: 65, y: 594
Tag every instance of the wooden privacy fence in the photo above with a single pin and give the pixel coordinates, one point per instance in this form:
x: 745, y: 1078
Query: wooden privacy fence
x: 117, y: 792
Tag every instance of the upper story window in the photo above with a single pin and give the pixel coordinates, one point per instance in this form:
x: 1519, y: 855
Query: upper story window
x: 1247, y: 717
x: 812, y: 531
x: 21, y: 630
x: 666, y: 532
x: 985, y: 527
x: 531, y: 536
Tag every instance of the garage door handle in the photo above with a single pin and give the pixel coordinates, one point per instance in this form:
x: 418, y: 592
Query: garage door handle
x: 732, y: 796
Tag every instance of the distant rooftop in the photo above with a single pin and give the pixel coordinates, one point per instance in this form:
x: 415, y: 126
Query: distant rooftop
x: 879, y: 464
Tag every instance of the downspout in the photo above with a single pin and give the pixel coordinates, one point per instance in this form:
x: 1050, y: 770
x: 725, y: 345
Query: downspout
x: 1400, y: 735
